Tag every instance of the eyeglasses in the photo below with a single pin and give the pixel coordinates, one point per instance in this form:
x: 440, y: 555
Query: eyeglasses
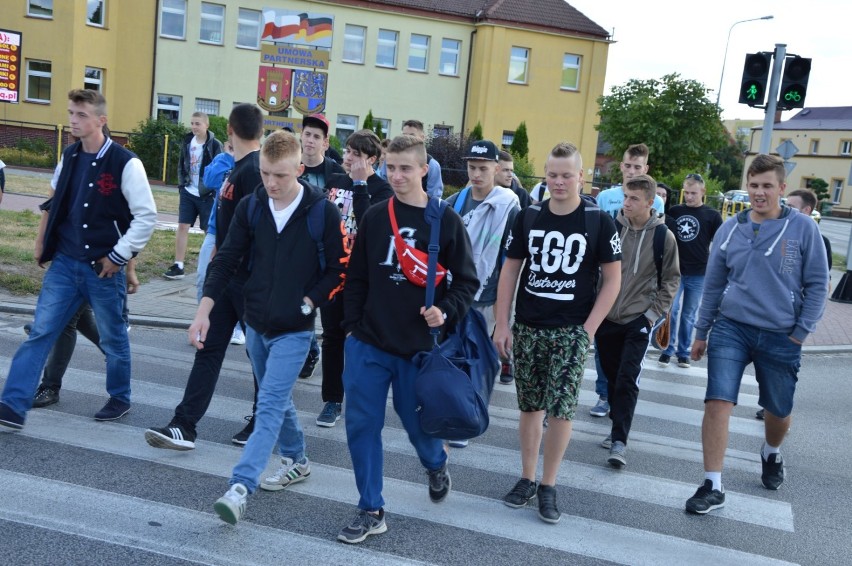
x: 696, y: 177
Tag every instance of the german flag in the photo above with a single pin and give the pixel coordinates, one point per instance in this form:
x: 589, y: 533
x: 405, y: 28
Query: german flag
x: 298, y: 27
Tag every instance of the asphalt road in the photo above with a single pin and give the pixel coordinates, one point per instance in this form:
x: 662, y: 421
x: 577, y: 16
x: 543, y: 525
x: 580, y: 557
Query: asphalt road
x: 838, y: 232
x: 74, y: 491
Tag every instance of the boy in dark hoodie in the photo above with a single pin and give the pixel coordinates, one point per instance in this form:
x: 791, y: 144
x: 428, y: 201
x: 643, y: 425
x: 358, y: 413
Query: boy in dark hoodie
x: 271, y: 227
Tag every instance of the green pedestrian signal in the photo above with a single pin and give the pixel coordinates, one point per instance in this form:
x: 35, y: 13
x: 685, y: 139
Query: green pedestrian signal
x: 755, y: 78
x: 752, y: 92
x: 794, y: 82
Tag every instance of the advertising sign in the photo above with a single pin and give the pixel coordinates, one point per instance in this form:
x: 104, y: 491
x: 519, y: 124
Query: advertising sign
x: 10, y: 65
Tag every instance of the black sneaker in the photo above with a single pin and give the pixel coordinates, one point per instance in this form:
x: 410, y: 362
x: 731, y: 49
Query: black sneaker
x: 363, y: 525
x: 242, y: 437
x: 773, y: 471
x: 113, y: 410
x: 507, y: 372
x: 683, y: 362
x: 760, y: 415
x: 173, y: 437
x: 10, y: 418
x: 28, y: 328
x: 705, y: 499
x: 523, y: 492
x: 663, y: 360
x: 547, y: 510
x: 174, y: 272
x: 45, y: 396
x: 310, y: 364
x: 439, y: 483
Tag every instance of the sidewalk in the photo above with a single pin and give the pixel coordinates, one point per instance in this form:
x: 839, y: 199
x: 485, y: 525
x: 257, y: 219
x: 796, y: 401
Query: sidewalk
x: 172, y: 304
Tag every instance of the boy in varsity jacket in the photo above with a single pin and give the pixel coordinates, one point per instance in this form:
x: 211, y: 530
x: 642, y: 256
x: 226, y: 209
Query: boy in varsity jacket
x: 386, y: 323
x: 280, y: 308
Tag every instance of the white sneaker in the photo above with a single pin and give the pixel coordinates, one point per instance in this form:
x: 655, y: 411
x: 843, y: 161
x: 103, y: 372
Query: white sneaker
x: 232, y: 506
x: 238, y: 337
x: 289, y: 473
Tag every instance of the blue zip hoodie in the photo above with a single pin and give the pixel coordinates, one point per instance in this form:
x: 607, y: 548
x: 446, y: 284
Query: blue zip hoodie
x: 776, y: 280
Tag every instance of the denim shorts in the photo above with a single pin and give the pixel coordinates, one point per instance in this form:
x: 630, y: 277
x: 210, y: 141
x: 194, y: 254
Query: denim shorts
x: 191, y: 207
x: 776, y: 358
x: 549, y: 365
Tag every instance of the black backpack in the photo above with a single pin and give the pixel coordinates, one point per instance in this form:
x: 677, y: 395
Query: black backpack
x: 316, y: 227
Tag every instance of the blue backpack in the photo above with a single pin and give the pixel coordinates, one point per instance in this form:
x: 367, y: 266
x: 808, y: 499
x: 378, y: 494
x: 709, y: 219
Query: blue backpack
x: 456, y: 378
x: 316, y: 227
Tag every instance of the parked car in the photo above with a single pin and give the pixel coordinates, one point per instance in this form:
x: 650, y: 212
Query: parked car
x: 814, y: 213
x: 735, y: 201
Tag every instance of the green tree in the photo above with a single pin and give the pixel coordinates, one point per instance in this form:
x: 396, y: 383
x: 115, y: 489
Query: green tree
x: 674, y: 117
x: 520, y: 143
x: 219, y: 127
x: 369, y: 124
x: 476, y: 132
x: 525, y: 170
x: 147, y: 141
x: 334, y: 142
x: 820, y: 187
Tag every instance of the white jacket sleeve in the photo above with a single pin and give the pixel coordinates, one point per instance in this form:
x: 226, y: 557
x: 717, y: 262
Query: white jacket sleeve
x: 137, y: 193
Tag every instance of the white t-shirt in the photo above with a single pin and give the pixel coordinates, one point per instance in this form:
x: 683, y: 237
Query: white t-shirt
x: 196, y: 152
x: 282, y: 216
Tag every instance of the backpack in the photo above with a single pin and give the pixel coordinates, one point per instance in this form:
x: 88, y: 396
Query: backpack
x: 455, y: 379
x: 316, y: 227
x: 424, y: 178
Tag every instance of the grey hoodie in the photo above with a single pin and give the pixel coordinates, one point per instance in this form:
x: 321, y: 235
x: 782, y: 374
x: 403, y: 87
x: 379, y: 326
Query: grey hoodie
x: 639, y: 293
x: 777, y: 280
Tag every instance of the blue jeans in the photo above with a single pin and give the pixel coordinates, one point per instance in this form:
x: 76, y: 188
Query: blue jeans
x: 683, y: 317
x: 65, y: 286
x: 368, y: 374
x: 600, y: 381
x: 203, y: 261
x: 276, y: 362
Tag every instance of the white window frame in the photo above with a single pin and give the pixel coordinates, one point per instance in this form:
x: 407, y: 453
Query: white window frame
x: 519, y: 55
x: 845, y: 147
x: 354, y: 39
x: 837, y: 191
x: 97, y: 80
x: 175, y: 8
x: 450, y: 53
x: 30, y: 13
x: 249, y: 22
x: 209, y: 106
x: 442, y: 131
x: 507, y: 139
x: 386, y: 43
x: 212, y: 18
x: 347, y: 123
x: 814, y: 146
x: 419, y: 51
x: 41, y: 75
x: 103, y: 13
x: 569, y: 63
x: 168, y: 106
x: 386, y: 125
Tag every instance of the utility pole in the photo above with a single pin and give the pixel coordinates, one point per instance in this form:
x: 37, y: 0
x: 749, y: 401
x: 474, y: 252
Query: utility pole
x: 772, y: 102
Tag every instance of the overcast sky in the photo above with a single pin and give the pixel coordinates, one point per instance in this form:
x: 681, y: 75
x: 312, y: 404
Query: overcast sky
x: 657, y: 37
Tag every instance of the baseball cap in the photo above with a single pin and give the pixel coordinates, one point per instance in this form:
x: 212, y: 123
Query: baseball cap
x: 484, y: 150
x: 316, y: 121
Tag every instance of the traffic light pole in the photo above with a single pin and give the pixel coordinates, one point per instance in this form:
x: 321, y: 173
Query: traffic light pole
x: 772, y: 102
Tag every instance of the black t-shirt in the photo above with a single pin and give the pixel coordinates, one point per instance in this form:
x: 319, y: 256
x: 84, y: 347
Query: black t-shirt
x: 559, y: 277
x: 315, y: 175
x: 694, y: 228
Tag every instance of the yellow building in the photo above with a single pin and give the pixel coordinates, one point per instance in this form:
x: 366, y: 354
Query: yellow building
x: 823, y: 137
x: 106, y: 45
x: 447, y: 64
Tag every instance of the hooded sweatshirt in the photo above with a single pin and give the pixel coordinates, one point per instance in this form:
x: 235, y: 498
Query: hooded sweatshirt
x: 775, y: 280
x: 639, y: 293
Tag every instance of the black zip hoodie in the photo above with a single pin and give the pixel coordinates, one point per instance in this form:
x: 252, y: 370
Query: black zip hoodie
x: 285, y: 265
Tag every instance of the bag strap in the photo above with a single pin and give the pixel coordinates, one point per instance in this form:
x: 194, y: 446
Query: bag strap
x: 434, y: 247
x: 659, y: 250
x: 316, y: 227
x: 460, y: 200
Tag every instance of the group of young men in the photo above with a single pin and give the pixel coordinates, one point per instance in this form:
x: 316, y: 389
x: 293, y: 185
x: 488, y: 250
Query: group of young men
x: 551, y: 278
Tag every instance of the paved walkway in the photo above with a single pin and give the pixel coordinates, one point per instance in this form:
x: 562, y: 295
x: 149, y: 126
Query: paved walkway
x: 172, y: 304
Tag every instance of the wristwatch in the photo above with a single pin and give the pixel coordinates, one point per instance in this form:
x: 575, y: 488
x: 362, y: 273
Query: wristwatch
x: 306, y: 309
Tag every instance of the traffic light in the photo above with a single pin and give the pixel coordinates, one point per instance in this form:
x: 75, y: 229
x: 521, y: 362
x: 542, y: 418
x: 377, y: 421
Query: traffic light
x: 794, y: 82
x: 755, y: 78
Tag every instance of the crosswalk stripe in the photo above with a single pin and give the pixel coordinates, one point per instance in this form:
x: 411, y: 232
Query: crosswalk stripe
x: 573, y: 534
x: 164, y: 529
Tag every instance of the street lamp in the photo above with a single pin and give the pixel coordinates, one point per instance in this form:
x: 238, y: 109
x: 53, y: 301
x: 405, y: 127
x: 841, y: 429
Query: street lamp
x: 725, y: 60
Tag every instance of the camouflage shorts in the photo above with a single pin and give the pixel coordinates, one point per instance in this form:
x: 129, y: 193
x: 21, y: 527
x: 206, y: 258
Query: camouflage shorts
x: 549, y: 365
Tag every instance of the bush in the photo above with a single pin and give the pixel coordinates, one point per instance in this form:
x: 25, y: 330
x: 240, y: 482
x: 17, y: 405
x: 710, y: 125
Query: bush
x: 520, y: 142
x: 448, y: 151
x: 34, y: 145
x: 219, y: 127
x: 146, y: 141
x: 334, y: 142
x: 24, y: 158
x: 525, y: 171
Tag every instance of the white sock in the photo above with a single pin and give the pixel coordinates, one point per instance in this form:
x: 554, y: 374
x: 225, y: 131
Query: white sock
x: 716, y: 478
x: 767, y: 450
x: 179, y: 264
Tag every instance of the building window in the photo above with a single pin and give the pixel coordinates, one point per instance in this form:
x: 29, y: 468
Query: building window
x: 845, y: 147
x: 570, y: 72
x: 212, y: 23
x: 386, y: 50
x: 450, y: 49
x: 207, y: 105
x: 40, y: 8
x: 837, y: 191
x: 94, y: 79
x: 814, y: 147
x: 518, y: 62
x: 384, y: 123
x: 38, y: 81
x: 95, y: 15
x: 508, y: 138
x: 442, y: 131
x: 418, y: 53
x: 248, y: 29
x: 353, y: 44
x: 168, y: 107
x: 346, y: 125
x: 173, y: 19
